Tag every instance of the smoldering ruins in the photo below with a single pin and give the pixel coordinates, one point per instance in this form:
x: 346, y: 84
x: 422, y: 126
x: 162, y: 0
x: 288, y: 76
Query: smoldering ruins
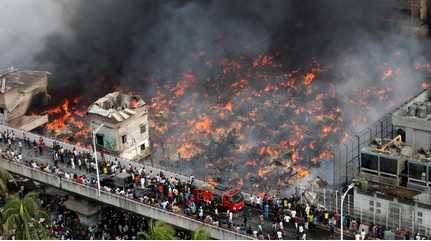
x: 250, y: 93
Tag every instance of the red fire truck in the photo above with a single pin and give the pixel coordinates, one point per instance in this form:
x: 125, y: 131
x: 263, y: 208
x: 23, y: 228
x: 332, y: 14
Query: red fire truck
x: 230, y: 199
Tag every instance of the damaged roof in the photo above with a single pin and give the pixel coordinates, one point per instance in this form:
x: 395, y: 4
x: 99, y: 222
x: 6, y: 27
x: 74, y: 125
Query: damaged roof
x: 117, y: 106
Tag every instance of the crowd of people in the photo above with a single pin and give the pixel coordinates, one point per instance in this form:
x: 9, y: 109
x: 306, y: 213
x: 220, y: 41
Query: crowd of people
x: 264, y: 218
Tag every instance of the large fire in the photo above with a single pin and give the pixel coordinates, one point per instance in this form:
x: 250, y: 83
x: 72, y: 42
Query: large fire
x: 250, y: 122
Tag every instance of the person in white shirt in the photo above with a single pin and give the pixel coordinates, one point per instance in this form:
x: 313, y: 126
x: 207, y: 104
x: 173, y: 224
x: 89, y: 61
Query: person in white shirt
x: 258, y: 201
x: 307, y: 210
x: 287, y: 219
x: 142, y: 182
x: 164, y: 204
x: 363, y: 234
x: 293, y: 213
x: 279, y: 235
x: 357, y: 236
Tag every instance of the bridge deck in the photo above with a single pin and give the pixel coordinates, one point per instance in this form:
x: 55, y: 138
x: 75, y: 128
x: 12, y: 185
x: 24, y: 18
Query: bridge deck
x: 107, y: 197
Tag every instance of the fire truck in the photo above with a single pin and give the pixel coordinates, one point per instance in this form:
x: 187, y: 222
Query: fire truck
x: 225, y: 198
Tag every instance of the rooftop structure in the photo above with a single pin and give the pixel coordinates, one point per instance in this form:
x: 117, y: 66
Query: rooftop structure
x: 399, y: 168
x: 19, y: 90
x: 125, y: 124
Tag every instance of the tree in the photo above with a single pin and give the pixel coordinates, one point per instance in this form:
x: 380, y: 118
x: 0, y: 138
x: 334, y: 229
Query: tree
x: 200, y: 234
x: 21, y: 217
x: 158, y: 230
x: 5, y: 178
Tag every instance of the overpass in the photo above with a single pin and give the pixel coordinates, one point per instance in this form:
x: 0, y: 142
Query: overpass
x: 119, y: 201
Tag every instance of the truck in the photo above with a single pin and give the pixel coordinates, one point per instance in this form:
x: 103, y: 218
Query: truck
x: 226, y: 198
x: 120, y: 180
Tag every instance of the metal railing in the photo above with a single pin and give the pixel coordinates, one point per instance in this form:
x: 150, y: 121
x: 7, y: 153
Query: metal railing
x: 107, y: 197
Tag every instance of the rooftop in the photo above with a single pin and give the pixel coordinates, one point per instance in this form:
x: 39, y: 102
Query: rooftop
x: 398, y: 150
x: 117, y: 106
x: 416, y: 113
x: 14, y: 78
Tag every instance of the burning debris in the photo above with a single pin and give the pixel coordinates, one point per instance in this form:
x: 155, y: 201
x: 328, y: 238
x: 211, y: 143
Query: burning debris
x: 255, y: 125
x: 19, y: 91
x: 125, y: 124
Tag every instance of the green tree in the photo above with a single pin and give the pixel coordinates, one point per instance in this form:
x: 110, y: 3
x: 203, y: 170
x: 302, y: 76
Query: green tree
x: 158, y: 230
x: 200, y: 234
x: 21, y: 217
x: 5, y: 178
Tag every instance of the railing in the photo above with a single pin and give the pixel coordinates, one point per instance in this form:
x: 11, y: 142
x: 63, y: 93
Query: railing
x: 121, y: 201
x: 50, y: 143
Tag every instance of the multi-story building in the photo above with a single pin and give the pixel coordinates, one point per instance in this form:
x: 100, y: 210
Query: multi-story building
x: 125, y: 125
x: 399, y: 170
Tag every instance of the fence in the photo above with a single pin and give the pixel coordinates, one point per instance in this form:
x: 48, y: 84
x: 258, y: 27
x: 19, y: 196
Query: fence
x: 346, y: 156
x: 391, y: 215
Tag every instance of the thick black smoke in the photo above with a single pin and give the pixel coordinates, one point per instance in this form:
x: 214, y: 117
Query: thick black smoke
x: 125, y: 42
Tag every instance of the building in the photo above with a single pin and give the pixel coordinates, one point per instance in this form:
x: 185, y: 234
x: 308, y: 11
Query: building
x: 399, y: 170
x: 20, y: 90
x: 125, y: 129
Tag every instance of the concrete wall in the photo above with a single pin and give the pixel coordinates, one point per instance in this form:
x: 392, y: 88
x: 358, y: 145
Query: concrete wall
x: 120, y: 201
x: 135, y: 138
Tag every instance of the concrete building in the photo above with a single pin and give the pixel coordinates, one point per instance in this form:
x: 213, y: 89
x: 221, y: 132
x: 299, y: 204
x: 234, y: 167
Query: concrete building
x: 399, y: 169
x: 19, y: 90
x: 126, y: 129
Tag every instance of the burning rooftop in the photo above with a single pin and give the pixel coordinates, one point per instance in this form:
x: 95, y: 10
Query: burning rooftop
x: 117, y: 107
x: 125, y: 124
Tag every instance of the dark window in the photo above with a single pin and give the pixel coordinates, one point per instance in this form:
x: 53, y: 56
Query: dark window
x: 402, y: 133
x: 1, y: 111
x: 416, y: 170
x: 369, y: 161
x: 143, y: 147
x: 236, y: 198
x: 124, y: 139
x: 99, y: 140
x: 388, y: 165
x: 143, y: 128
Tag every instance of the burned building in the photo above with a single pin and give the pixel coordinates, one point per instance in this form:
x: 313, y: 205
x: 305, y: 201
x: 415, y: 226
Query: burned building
x: 125, y: 125
x: 19, y: 90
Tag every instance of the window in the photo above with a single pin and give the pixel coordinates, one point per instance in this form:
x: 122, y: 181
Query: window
x: 143, y: 128
x: 416, y: 170
x: 372, y: 209
x: 420, y: 214
x: 99, y: 140
x: 419, y: 220
x: 378, y: 204
x: 143, y: 147
x: 378, y: 211
x: 124, y: 139
x: 388, y: 165
x: 371, y: 203
x: 1, y: 111
x: 369, y: 161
